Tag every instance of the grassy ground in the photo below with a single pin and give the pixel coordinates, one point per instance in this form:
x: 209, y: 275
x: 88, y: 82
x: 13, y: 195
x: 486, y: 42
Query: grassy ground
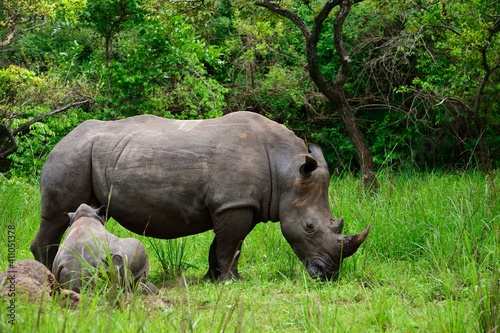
x: 430, y: 264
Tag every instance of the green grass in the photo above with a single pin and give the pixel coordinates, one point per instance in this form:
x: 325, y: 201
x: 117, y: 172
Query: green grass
x: 430, y: 264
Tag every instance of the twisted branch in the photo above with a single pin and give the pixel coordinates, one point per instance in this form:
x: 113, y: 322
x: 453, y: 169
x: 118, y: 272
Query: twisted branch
x: 11, y: 134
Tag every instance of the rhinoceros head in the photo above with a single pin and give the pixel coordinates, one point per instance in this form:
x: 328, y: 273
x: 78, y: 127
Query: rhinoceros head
x: 85, y: 210
x: 307, y: 222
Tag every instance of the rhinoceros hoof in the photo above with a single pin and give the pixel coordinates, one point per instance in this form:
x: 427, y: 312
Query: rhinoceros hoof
x: 147, y: 288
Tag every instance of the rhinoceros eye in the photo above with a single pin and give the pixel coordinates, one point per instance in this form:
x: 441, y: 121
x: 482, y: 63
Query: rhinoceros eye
x: 310, y: 226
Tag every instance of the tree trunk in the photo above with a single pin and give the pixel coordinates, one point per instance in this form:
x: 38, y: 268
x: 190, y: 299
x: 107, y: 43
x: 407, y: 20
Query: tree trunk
x: 335, y: 93
x: 108, y: 42
x: 485, y: 163
x: 359, y: 143
x: 339, y: 99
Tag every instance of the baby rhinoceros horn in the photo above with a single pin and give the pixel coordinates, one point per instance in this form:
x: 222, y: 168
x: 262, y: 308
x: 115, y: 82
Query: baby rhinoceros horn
x: 350, y: 244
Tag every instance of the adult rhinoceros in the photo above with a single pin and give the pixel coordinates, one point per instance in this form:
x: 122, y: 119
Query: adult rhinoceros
x: 172, y: 178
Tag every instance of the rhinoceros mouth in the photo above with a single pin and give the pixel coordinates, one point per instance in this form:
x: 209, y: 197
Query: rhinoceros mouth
x: 321, y: 270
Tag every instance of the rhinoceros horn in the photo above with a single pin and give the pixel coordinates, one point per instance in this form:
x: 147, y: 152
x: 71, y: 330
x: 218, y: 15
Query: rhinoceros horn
x: 336, y: 225
x: 350, y: 244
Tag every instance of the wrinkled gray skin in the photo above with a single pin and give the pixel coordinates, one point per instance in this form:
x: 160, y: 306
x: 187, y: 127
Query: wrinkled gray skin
x: 172, y: 178
x: 88, y: 244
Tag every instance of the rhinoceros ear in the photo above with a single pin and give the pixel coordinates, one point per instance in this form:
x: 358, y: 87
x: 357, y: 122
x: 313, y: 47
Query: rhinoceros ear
x: 101, y: 212
x: 350, y: 244
x: 317, y: 153
x: 71, y: 216
x: 117, y: 261
x: 309, y: 166
x: 118, y: 264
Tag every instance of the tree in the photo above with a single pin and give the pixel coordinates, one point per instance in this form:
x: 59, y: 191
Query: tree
x: 335, y: 91
x: 27, y: 104
x: 20, y: 16
x: 458, y: 63
x: 424, y: 77
x: 108, y: 18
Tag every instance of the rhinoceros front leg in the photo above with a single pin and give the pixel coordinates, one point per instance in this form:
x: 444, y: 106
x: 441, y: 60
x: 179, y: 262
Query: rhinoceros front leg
x: 231, y: 228
x: 213, y: 265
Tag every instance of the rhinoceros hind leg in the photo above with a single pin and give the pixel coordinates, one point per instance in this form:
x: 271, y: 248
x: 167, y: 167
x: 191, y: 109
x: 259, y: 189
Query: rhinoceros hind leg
x: 44, y: 246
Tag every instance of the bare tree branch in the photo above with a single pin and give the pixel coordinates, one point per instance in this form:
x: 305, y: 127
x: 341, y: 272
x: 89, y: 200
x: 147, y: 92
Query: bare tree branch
x: 24, y: 127
x: 10, y: 138
x: 296, y: 19
x: 321, y: 17
x: 15, y: 20
x: 11, y: 134
x: 9, y: 37
x: 345, y: 8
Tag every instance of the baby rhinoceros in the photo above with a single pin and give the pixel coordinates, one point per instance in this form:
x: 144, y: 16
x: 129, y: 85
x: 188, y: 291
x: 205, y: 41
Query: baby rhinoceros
x: 89, y: 247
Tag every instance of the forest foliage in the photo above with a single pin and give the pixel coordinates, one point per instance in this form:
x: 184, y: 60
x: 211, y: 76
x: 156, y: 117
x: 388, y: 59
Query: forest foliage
x: 423, y: 81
